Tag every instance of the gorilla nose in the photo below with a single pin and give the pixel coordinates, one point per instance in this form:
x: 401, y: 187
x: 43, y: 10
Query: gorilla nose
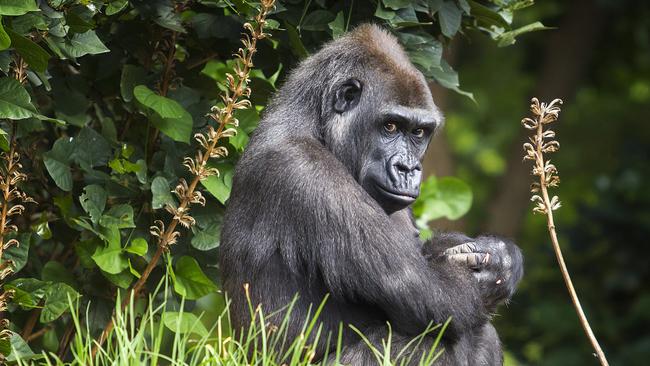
x: 407, y: 166
x: 404, y: 172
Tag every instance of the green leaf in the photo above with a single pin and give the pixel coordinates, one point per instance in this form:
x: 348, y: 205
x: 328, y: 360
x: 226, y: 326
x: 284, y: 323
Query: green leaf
x: 85, y: 249
x: 295, y: 42
x: 5, y: 41
x: 15, y: 101
x: 190, y: 281
x: 161, y: 194
x: 163, y: 106
x: 110, y: 258
x: 207, y: 238
x: 450, y: 16
x: 56, y: 301
x: 80, y: 44
x: 337, y: 26
x: 220, y: 186
x: 448, y: 77
x: 91, y: 148
x: 509, y: 38
x: 28, y: 292
x: 317, y: 20
x: 57, y: 163
x: 35, y: 56
x: 131, y: 76
x: 447, y: 197
x: 116, y: 6
x: 42, y: 229
x: 184, y: 322
x: 54, y: 271
x: 17, y: 7
x: 486, y: 15
x: 178, y: 129
x: 4, y: 140
x: 396, y: 4
x: 119, y: 216
x: 121, y: 280
x: 93, y: 201
x: 138, y: 246
x: 19, y: 350
x: 18, y: 254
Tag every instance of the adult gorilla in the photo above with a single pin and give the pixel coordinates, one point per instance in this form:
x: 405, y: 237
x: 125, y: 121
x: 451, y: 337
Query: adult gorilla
x: 320, y: 205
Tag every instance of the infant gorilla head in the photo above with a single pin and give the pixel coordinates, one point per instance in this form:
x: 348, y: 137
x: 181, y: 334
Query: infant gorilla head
x: 320, y: 207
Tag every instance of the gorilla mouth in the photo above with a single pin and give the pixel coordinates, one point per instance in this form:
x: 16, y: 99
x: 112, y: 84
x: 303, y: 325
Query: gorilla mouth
x: 403, y: 196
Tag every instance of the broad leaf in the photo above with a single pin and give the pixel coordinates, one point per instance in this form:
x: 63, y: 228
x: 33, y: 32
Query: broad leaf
x: 18, y: 254
x: 110, y: 258
x: 57, y: 163
x: 163, y: 106
x: 27, y: 291
x: 56, y: 301
x: 509, y: 38
x: 119, y: 216
x: 447, y: 197
x: 93, y: 201
x: 178, y: 129
x: 35, y: 56
x: 220, y: 186
x: 450, y: 16
x: 207, y: 238
x: 190, y: 281
x: 15, y: 102
x: 131, y: 76
x: 184, y: 322
x: 17, y: 7
x: 80, y: 44
x: 54, y: 271
x: 5, y: 41
x: 17, y: 349
x: 138, y: 246
x: 160, y: 193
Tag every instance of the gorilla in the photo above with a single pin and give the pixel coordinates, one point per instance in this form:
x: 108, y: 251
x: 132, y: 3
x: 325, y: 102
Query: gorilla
x: 320, y: 207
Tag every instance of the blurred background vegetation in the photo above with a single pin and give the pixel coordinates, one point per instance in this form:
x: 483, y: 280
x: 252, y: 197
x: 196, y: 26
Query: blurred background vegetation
x: 113, y: 90
x: 598, y: 62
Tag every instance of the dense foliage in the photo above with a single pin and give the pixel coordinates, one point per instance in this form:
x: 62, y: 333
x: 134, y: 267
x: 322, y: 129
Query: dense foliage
x: 99, y: 101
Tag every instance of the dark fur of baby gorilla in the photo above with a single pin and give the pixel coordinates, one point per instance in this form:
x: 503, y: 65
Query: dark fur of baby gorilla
x: 320, y: 205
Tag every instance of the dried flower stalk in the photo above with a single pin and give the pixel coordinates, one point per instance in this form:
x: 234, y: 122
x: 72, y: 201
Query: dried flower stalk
x: 235, y: 97
x: 543, y: 142
x: 12, y: 200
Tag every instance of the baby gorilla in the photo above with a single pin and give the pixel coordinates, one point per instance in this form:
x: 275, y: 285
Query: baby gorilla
x: 320, y: 206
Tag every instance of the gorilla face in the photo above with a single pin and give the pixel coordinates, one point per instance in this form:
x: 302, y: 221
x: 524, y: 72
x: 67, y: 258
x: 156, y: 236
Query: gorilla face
x: 393, y: 139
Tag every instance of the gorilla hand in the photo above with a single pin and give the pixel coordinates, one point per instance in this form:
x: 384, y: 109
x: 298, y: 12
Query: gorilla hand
x: 497, y: 264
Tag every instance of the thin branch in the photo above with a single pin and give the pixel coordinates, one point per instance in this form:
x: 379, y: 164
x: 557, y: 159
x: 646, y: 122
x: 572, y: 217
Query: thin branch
x: 543, y: 141
x: 236, y: 97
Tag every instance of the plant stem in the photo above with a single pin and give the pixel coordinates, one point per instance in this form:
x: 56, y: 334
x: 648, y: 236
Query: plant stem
x: 558, y: 251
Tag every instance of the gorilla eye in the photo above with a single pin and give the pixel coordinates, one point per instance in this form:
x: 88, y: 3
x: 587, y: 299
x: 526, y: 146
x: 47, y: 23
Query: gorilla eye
x: 390, y: 127
x: 418, y: 132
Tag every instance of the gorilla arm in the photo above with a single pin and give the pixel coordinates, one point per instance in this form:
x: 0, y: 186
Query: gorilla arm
x: 342, y: 235
x: 495, y: 262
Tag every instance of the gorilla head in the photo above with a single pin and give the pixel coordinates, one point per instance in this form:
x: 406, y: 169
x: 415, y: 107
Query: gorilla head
x: 380, y: 105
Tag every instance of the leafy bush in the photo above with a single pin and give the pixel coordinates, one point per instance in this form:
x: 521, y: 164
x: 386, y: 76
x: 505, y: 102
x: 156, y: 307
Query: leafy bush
x: 99, y: 101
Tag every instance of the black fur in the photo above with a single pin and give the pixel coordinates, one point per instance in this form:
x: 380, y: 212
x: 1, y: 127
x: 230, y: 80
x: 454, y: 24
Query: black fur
x: 303, y: 217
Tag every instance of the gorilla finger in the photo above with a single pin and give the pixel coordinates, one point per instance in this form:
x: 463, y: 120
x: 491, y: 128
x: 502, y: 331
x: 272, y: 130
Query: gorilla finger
x: 462, y: 248
x: 471, y: 260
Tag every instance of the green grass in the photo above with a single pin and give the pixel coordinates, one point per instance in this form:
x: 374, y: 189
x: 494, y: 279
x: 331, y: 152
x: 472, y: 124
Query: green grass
x: 162, y: 334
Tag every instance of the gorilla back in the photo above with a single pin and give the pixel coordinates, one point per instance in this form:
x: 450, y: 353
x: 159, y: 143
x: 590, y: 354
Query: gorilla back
x: 320, y: 206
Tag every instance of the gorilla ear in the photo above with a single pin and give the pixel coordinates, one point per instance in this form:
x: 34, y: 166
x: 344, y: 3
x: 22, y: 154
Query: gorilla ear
x: 347, y: 96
